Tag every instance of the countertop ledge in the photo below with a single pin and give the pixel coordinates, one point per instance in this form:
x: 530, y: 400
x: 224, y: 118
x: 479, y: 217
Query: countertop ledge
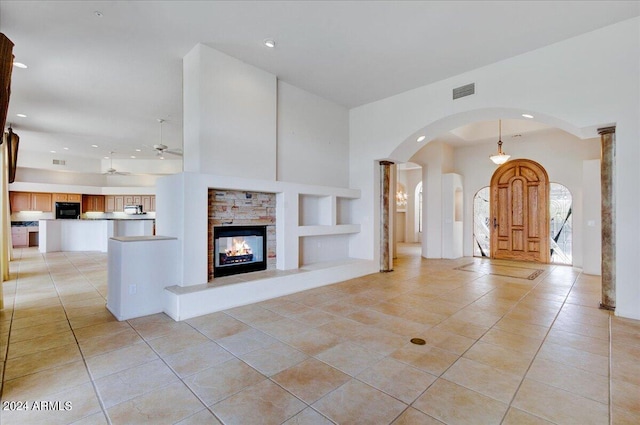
x: 98, y: 219
x: 142, y: 238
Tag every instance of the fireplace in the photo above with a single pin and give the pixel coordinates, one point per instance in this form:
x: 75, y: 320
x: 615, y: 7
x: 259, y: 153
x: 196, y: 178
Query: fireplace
x: 239, y: 249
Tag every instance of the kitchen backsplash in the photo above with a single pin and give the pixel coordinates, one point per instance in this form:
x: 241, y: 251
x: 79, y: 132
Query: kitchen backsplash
x: 31, y: 216
x: 25, y: 223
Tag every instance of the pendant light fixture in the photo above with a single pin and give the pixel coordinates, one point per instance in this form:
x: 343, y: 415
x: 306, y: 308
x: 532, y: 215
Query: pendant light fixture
x: 501, y: 157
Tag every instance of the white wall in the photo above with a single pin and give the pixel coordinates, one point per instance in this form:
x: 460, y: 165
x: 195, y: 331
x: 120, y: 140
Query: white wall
x: 413, y: 178
x: 451, y: 222
x: 560, y: 153
x: 578, y: 85
x: 591, y: 225
x: 89, y: 183
x: 317, y: 249
x: 44, y: 160
x: 435, y: 159
x: 240, y: 121
x: 229, y: 116
x: 313, y: 138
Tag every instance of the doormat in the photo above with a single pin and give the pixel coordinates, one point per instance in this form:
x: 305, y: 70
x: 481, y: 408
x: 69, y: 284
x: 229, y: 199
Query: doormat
x: 502, y: 270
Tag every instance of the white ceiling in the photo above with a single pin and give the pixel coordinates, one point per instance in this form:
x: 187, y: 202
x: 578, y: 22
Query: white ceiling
x: 106, y: 80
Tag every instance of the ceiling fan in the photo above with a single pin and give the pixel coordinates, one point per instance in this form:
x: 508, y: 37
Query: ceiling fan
x: 162, y: 149
x: 112, y: 171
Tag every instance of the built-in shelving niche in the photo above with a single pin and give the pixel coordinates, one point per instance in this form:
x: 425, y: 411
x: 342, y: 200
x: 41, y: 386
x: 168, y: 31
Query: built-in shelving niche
x: 325, y: 225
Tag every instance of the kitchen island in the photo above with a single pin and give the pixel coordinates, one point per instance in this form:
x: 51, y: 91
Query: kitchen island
x: 89, y: 234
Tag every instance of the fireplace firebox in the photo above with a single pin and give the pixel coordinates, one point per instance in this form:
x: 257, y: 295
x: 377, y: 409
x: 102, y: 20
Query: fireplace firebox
x: 239, y: 249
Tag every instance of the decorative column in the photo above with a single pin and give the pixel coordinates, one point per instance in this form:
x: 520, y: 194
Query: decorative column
x: 385, y: 257
x: 607, y: 188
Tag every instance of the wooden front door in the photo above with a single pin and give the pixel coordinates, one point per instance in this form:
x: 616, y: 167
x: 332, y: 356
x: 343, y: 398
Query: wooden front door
x: 520, y: 212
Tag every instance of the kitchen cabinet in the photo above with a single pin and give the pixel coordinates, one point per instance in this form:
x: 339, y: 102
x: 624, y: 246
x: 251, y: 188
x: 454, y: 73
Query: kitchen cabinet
x: 64, y: 197
x: 20, y: 201
x: 41, y: 202
x: 116, y: 203
x: 93, y: 203
x: 147, y: 204
x: 19, y: 236
x: 119, y: 200
x: 30, y: 201
x: 109, y: 203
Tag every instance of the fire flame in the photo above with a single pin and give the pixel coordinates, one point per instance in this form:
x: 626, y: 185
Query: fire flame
x: 239, y: 247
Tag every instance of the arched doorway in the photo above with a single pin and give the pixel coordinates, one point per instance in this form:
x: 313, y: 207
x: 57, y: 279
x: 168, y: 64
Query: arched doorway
x: 560, y: 224
x: 520, y: 212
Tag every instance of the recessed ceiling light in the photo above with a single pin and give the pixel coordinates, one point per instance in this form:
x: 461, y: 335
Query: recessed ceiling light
x: 132, y: 157
x: 20, y: 65
x: 21, y: 115
x: 66, y: 149
x: 94, y: 146
x: 162, y: 157
x: 98, y: 14
x: 420, y: 139
x: 527, y: 116
x: 138, y: 150
x: 269, y: 42
x: 52, y: 151
x: 105, y: 157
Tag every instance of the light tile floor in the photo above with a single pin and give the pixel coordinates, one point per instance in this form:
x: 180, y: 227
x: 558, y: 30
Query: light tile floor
x: 498, y: 350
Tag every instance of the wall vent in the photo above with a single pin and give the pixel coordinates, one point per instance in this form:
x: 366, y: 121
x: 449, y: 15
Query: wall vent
x: 59, y: 162
x: 463, y: 91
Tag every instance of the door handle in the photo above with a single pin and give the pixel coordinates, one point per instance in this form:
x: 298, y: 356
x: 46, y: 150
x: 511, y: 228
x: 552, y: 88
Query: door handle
x: 495, y: 223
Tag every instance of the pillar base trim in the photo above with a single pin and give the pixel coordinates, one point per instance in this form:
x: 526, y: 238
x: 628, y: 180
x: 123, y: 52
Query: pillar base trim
x: 606, y: 307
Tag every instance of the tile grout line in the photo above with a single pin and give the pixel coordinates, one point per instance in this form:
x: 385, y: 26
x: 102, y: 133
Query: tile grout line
x: 440, y: 376
x: 160, y: 357
x: 564, y: 302
x: 13, y: 312
x: 610, y: 322
x: 84, y: 360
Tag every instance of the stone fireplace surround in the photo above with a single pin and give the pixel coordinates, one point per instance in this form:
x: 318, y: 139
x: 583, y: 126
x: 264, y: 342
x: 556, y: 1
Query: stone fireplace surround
x: 242, y: 208
x: 182, y: 204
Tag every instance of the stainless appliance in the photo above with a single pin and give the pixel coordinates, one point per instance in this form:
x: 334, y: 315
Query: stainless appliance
x: 133, y: 209
x: 68, y: 210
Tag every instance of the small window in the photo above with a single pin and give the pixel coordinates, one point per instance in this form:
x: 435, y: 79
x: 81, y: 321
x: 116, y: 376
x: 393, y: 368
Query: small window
x: 560, y: 226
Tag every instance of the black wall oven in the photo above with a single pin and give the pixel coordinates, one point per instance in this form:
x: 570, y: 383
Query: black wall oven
x: 69, y: 210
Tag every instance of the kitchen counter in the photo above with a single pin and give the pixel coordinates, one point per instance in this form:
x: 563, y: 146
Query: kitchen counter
x: 89, y: 235
x: 134, y: 217
x: 24, y: 233
x: 142, y: 238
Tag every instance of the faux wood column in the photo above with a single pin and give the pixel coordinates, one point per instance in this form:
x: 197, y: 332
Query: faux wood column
x: 607, y: 187
x: 385, y: 257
